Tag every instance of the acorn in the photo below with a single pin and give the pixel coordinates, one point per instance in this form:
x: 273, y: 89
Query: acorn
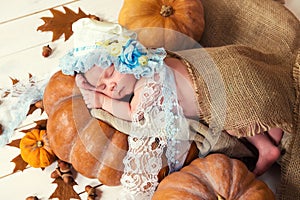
x: 32, y: 198
x: 91, y: 192
x: 94, y: 17
x: 47, y: 51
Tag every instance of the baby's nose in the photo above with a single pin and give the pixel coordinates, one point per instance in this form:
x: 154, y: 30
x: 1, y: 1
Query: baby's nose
x: 112, y: 86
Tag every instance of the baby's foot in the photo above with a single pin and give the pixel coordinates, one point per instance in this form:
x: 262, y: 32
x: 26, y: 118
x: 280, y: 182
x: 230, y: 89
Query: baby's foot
x: 82, y: 83
x: 276, y: 135
x: 266, y: 159
x: 92, y: 99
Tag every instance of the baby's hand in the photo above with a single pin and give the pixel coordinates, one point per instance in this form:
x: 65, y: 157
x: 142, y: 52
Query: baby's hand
x: 82, y: 83
x: 92, y: 99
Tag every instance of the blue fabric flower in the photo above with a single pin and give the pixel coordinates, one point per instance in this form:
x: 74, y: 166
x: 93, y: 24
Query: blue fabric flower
x: 132, y: 51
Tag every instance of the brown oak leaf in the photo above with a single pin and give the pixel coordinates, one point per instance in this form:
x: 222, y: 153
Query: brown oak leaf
x: 20, y: 164
x: 61, y: 23
x: 14, y: 80
x: 64, y: 191
x: 15, y: 143
x: 34, y: 107
x: 7, y: 92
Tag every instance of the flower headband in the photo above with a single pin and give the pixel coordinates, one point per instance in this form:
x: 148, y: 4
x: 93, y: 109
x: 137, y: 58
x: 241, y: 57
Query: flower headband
x: 106, y: 44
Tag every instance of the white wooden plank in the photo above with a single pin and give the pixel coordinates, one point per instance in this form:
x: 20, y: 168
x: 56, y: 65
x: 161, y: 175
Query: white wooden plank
x: 14, y: 9
x: 20, y: 64
x: 22, y: 33
x: 30, y: 182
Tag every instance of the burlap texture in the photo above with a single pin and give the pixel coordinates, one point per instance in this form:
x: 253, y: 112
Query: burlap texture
x: 253, y: 46
x: 241, y: 90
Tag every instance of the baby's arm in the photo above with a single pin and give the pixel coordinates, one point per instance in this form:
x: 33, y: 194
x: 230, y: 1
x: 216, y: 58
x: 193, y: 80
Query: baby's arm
x: 120, y: 109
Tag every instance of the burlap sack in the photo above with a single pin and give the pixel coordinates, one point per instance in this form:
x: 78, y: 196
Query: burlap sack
x: 263, y: 34
x: 250, y: 44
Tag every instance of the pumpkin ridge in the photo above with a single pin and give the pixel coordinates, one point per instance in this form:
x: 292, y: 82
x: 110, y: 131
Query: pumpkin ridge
x: 247, y: 179
x: 107, y: 158
x: 187, y: 179
x: 61, y: 100
x: 202, y: 181
x: 240, y: 179
x: 29, y: 141
x: 81, y: 132
x: 194, y: 167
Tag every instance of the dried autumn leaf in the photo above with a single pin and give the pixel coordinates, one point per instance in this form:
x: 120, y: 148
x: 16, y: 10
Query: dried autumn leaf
x: 34, y: 107
x: 5, y: 94
x: 20, y: 163
x: 14, y: 80
x: 64, y: 191
x: 41, y: 124
x: 15, y: 143
x: 61, y: 23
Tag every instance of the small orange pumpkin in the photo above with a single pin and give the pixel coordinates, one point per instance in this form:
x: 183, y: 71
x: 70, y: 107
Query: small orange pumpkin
x: 35, y: 149
x: 159, y: 22
x: 214, y: 177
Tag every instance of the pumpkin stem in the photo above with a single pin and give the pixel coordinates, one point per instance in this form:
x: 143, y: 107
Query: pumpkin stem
x: 220, y: 197
x: 39, y: 144
x: 166, y: 11
x: 1, y: 129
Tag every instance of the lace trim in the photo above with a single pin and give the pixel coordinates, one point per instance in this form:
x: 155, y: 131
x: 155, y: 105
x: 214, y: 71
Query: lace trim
x: 163, y: 128
x: 15, y: 103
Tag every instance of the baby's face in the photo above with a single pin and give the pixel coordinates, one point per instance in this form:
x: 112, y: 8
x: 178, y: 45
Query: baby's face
x: 111, y: 82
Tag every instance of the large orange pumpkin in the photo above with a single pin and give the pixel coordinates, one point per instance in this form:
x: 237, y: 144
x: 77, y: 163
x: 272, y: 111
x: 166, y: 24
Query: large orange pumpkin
x: 214, y: 177
x: 166, y: 23
x: 95, y: 149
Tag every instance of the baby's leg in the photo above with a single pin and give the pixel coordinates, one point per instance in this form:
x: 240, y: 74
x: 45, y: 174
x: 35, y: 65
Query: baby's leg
x: 82, y: 83
x: 268, y: 153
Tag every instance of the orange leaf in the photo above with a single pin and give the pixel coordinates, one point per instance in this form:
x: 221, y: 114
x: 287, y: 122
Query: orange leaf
x: 61, y: 23
x: 64, y: 191
x: 20, y: 163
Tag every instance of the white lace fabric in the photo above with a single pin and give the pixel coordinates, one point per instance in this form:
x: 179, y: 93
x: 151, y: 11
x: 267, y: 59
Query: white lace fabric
x: 163, y: 129
x: 15, y: 103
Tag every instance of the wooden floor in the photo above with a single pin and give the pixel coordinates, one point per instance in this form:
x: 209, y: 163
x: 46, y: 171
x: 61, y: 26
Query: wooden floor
x: 20, y: 54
